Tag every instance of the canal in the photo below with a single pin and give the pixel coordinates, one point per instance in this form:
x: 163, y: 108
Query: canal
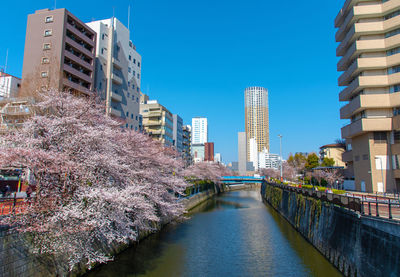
x: 234, y: 234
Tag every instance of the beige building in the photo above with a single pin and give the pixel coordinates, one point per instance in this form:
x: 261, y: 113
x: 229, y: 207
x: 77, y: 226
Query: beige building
x: 13, y: 113
x: 256, y: 121
x: 369, y: 37
x: 157, y: 121
x: 59, y: 53
x: 333, y: 151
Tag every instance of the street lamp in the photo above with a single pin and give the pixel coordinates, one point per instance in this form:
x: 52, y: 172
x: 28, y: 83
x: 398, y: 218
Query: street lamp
x: 383, y: 181
x: 280, y: 141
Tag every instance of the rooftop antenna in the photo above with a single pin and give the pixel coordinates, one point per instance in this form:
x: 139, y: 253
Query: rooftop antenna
x: 5, y: 67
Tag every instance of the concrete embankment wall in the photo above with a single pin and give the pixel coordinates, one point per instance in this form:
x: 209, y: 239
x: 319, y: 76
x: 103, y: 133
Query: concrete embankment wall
x: 357, y: 245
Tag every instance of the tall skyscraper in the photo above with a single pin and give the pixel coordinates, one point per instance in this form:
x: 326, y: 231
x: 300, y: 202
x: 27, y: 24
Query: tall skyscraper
x: 118, y: 67
x: 256, y: 120
x: 369, y: 46
x: 59, y: 53
x: 199, y: 130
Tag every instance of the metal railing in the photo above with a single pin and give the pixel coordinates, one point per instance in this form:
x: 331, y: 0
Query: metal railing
x: 371, y: 205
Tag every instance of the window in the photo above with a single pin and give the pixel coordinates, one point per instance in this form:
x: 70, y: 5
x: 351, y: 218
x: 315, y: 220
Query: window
x: 380, y: 137
x: 130, y: 57
x: 134, y: 61
x: 395, y: 88
x: 396, y: 164
x: 102, y: 36
x: 101, y: 67
x: 48, y: 33
x: 131, y: 44
x: 46, y: 46
x: 131, y: 116
x: 394, y: 69
x: 357, y: 158
x: 126, y: 125
x: 365, y: 157
x: 100, y: 85
x: 48, y: 19
x: 45, y: 60
x: 138, y: 76
x: 129, y: 69
x: 396, y: 136
x: 396, y: 111
x: 129, y: 95
x: 138, y: 64
x: 127, y: 114
x: 44, y: 74
x: 136, y: 118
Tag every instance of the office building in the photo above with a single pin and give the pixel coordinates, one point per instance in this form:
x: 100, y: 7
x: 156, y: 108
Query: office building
x: 59, y: 53
x: 157, y: 122
x: 118, y: 70
x: 256, y: 119
x: 187, y: 144
x: 9, y: 86
x: 199, y: 130
x: 209, y: 151
x: 369, y: 49
x: 178, y: 132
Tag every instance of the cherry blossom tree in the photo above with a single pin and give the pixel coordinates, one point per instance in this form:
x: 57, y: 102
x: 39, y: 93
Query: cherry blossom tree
x: 207, y: 171
x: 96, y: 182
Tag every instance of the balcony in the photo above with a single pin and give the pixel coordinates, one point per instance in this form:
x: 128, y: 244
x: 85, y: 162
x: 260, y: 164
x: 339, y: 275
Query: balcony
x: 363, y: 102
x: 117, y: 63
x: 77, y: 87
x: 347, y: 156
x: 77, y: 73
x: 116, y: 79
x: 115, y: 112
x: 368, y: 81
x: 152, y: 123
x: 366, y: 125
x: 116, y: 97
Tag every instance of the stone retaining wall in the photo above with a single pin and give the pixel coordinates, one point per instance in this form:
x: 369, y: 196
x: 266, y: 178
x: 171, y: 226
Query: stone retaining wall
x: 357, y: 245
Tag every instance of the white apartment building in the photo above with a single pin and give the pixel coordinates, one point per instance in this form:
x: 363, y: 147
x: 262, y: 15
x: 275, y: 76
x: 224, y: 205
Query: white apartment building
x: 218, y: 158
x: 199, y: 130
x: 253, y: 149
x: 9, y: 86
x: 268, y: 160
x: 118, y: 69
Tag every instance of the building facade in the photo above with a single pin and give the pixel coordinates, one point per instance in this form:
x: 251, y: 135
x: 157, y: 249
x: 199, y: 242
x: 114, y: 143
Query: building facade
x: 256, y: 119
x: 268, y: 160
x: 13, y: 113
x: 218, y: 158
x: 59, y: 53
x: 9, y: 86
x: 198, y: 153
x: 209, y: 151
x: 178, y: 132
x: 333, y: 151
x: 118, y: 71
x: 369, y: 49
x: 199, y: 130
x: 157, y: 122
x: 187, y: 144
x: 242, y: 153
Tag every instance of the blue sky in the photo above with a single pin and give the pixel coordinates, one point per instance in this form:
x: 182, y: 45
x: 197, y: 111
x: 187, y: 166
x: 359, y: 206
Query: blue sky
x: 200, y: 55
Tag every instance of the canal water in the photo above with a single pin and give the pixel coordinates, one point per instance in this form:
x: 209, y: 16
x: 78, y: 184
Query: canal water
x: 234, y: 234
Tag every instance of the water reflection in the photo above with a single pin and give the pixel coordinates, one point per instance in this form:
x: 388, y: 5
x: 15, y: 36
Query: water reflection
x: 231, y: 235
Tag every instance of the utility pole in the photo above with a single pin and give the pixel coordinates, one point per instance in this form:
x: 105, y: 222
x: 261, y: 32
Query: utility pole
x: 280, y: 142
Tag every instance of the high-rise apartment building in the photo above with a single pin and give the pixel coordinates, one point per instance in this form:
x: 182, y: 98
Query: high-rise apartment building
x: 199, y: 130
x: 369, y: 37
x: 256, y: 119
x: 59, y: 53
x: 242, y: 153
x: 9, y: 86
x: 178, y: 132
x: 157, y: 122
x: 118, y: 70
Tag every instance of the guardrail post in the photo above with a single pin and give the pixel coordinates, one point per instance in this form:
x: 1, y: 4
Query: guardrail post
x: 362, y: 204
x: 390, y: 210
x: 377, y: 207
x: 369, y: 208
